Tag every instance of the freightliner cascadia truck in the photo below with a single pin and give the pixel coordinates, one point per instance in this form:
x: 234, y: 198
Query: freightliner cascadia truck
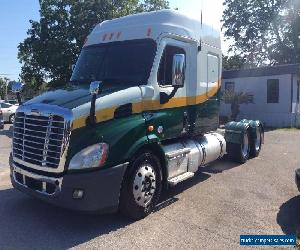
x: 139, y: 115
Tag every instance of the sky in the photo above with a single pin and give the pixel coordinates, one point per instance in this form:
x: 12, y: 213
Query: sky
x: 15, y: 16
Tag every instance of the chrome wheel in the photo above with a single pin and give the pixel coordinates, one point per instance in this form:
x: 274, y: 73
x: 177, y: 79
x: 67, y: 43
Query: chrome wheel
x: 258, y: 139
x: 144, y: 185
x: 245, y: 147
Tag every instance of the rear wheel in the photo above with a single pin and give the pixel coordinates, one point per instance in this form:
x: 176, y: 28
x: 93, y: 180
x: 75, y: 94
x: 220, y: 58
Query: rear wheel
x: 141, y: 187
x: 240, y: 152
x: 12, y: 118
x: 256, y: 143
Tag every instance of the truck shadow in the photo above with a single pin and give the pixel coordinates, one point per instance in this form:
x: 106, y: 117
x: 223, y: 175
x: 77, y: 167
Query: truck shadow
x: 26, y: 223
x: 204, y: 173
x: 7, y: 132
x: 288, y: 217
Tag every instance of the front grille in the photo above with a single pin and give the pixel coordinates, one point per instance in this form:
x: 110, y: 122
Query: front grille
x: 39, y: 140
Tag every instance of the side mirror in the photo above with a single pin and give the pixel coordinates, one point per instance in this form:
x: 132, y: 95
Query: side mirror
x: 17, y: 88
x: 178, y: 70
x: 95, y: 88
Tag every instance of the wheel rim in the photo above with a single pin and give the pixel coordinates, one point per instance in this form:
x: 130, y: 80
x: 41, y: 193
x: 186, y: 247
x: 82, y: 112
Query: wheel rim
x: 258, y: 139
x: 245, y: 148
x: 144, y: 185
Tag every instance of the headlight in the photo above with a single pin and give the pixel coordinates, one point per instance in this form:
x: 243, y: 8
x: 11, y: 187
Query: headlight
x: 91, y: 157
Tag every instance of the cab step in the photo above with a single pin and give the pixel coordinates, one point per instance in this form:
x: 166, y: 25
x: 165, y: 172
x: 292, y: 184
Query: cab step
x: 180, y: 178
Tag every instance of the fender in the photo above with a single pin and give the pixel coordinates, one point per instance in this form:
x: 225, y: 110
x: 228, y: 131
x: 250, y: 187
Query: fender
x: 123, y: 135
x: 253, y: 126
x: 235, y: 131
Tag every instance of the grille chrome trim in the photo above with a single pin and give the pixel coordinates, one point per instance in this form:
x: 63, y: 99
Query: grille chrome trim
x: 43, y: 179
x: 49, y: 144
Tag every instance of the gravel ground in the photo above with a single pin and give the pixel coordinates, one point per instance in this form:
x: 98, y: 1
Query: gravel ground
x: 209, y: 211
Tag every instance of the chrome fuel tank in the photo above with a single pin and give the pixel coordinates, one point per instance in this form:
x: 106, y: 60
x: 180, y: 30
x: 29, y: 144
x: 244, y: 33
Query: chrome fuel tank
x: 187, y: 155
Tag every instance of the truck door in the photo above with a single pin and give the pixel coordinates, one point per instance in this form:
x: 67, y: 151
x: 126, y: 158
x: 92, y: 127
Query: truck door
x: 170, y: 118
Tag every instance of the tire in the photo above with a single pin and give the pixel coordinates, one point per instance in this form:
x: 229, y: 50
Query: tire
x: 255, y: 147
x: 240, y: 152
x: 12, y: 118
x: 141, y: 186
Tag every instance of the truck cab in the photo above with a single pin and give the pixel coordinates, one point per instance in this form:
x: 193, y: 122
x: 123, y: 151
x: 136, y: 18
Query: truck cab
x: 140, y: 114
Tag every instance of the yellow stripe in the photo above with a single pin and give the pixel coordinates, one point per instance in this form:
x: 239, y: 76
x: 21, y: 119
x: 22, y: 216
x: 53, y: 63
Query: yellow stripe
x: 108, y: 113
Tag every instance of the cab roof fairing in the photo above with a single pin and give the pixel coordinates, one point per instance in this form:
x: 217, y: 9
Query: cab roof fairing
x: 152, y: 25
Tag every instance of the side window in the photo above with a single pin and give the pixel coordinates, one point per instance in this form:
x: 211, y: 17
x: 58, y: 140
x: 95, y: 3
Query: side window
x: 165, y: 67
x: 273, y: 91
x: 213, y: 69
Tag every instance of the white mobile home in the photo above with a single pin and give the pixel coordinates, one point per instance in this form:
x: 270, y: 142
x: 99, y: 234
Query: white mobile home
x: 274, y: 93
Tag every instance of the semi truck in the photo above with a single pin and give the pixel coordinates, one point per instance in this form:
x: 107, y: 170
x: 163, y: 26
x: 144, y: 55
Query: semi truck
x: 139, y: 115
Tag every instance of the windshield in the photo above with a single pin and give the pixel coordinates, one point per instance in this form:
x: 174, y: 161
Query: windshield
x: 126, y: 62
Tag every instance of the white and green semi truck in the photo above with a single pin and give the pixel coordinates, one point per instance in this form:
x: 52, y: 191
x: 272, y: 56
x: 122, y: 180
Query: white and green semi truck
x: 140, y: 114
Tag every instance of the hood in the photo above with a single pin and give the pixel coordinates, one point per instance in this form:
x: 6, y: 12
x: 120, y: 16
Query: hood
x: 72, y: 96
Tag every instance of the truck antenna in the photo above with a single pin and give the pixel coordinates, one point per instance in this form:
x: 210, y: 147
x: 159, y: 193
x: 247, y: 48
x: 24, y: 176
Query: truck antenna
x: 201, y: 17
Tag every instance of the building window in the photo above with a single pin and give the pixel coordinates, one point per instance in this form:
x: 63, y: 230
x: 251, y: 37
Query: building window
x: 229, y: 86
x: 166, y: 63
x: 273, y: 91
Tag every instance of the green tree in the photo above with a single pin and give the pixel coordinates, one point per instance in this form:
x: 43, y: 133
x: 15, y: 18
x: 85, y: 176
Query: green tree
x: 54, y: 42
x: 2, y: 88
x: 233, y: 62
x: 263, y: 31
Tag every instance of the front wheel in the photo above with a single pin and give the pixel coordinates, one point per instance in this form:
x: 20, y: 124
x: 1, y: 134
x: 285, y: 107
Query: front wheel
x: 141, y: 187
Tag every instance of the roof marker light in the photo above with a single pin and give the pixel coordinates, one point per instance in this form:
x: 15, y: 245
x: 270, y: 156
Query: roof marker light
x: 119, y: 34
x: 104, y: 37
x: 111, y: 36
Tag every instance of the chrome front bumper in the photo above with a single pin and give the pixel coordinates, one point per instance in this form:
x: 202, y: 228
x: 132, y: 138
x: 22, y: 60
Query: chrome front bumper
x: 101, y: 188
x: 48, y: 186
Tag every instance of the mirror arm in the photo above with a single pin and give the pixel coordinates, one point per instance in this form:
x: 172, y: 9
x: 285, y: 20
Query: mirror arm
x: 164, y: 97
x: 95, y: 89
x: 172, y: 94
x: 92, y: 117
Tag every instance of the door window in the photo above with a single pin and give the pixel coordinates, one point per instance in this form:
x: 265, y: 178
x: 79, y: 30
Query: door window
x: 213, y: 69
x: 165, y: 67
